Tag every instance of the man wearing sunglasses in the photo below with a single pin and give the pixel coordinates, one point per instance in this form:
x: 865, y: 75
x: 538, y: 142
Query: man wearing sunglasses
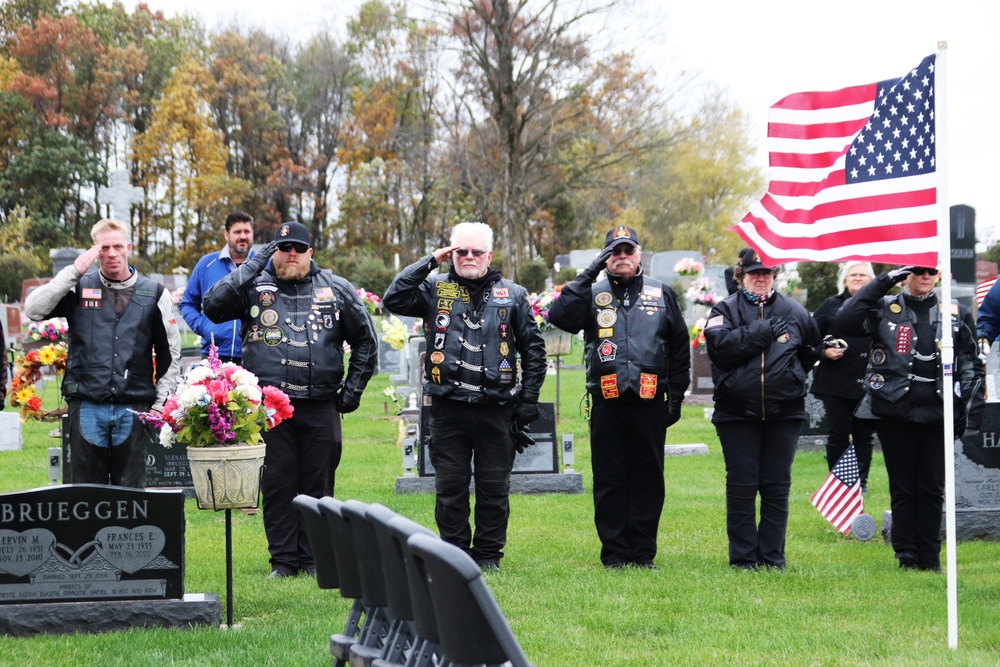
x: 209, y: 270
x: 638, y: 368
x: 479, y: 330
x: 295, y: 320
x: 904, y: 394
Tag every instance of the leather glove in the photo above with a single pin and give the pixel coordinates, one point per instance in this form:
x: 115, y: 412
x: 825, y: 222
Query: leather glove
x: 899, y: 275
x: 778, y: 326
x: 347, y: 402
x: 599, y: 264
x: 673, y: 412
x: 257, y: 263
x: 525, y: 412
x: 522, y: 439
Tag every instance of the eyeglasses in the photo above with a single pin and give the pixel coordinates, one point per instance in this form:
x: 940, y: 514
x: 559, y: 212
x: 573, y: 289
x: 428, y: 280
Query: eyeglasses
x: 288, y: 246
x: 624, y: 248
x: 921, y: 271
x: 464, y: 252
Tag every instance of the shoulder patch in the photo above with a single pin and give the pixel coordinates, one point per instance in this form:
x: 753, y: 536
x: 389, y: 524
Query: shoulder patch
x: 714, y: 322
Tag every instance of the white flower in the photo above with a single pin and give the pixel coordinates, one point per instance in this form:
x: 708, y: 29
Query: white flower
x: 243, y: 378
x: 251, y: 392
x: 166, y: 436
x: 190, y: 397
x: 197, y: 375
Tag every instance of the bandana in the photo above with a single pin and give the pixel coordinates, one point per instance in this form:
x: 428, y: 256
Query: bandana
x: 756, y: 299
x: 914, y: 297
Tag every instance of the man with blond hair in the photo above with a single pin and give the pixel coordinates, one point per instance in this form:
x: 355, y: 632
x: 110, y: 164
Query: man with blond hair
x: 124, y: 355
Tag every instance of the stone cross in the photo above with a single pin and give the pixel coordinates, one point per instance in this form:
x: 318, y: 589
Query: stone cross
x: 120, y: 195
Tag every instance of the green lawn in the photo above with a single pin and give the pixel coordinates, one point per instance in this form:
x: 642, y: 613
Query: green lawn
x: 840, y: 601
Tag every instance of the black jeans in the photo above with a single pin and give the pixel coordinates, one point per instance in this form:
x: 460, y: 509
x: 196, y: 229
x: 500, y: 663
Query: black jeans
x: 844, y: 427
x: 759, y: 457
x: 302, y: 456
x: 464, y: 435
x: 626, y: 445
x: 914, y: 459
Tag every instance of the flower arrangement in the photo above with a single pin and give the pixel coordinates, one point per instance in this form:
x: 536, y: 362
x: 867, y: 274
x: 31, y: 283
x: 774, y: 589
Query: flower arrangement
x: 219, y: 404
x: 394, y: 332
x: 27, y: 373
x: 698, y: 337
x: 540, y: 304
x: 372, y: 301
x: 703, y: 291
x: 688, y: 267
x: 788, y: 280
x: 54, y: 330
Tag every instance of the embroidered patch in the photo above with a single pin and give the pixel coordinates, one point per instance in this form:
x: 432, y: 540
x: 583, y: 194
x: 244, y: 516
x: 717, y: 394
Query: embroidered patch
x: 714, y: 322
x: 783, y: 338
x: 91, y: 293
x: 904, y: 334
x: 442, y: 320
x: 254, y: 311
x: 448, y: 290
x: 273, y: 336
x: 436, y: 375
x: 502, y: 312
x: 269, y: 317
x: 266, y: 299
x: 446, y: 304
x: 607, y: 317
x: 609, y: 386
x: 504, y: 330
x: 439, y: 341
x: 605, y: 333
x: 504, y: 349
x: 603, y: 298
x: 895, y: 307
x: 652, y: 292
x: 878, y: 357
x: 647, y: 385
x: 255, y: 335
x: 437, y: 357
x: 505, y: 365
x: 607, y: 350
x: 324, y: 293
x: 501, y: 293
x: 876, y: 381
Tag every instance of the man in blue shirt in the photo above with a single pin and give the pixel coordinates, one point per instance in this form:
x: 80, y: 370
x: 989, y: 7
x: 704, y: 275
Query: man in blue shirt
x: 209, y: 270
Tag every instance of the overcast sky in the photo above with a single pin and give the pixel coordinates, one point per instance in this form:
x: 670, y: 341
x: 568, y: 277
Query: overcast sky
x: 761, y: 51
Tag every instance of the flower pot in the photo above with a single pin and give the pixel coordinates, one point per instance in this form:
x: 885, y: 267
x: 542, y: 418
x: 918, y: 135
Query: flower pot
x: 557, y: 342
x: 226, y: 477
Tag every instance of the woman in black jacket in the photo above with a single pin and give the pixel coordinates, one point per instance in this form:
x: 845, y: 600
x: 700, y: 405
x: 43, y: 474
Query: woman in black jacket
x: 761, y: 344
x: 838, y: 379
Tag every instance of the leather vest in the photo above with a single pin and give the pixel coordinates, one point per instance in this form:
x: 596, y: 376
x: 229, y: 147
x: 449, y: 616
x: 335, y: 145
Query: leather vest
x: 468, y: 358
x: 111, y: 356
x: 630, y: 349
x: 292, y: 339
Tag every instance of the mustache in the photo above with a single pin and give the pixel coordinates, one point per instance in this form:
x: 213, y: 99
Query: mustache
x: 622, y: 262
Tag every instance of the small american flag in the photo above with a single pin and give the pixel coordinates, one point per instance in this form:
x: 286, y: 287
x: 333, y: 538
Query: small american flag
x: 852, y: 175
x: 839, y: 500
x: 983, y: 290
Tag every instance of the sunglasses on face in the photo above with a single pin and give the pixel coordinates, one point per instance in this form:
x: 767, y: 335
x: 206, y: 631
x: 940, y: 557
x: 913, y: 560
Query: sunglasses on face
x: 920, y: 271
x: 298, y: 247
x: 463, y: 252
x: 624, y: 248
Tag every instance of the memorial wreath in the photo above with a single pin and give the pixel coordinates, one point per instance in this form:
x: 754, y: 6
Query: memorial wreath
x: 27, y: 373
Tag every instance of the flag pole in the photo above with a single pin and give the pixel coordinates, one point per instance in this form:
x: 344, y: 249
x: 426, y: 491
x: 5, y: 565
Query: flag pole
x: 947, y: 340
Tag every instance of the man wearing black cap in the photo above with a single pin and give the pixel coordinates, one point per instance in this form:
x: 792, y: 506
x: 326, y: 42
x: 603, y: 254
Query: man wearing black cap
x: 295, y: 319
x: 638, y: 367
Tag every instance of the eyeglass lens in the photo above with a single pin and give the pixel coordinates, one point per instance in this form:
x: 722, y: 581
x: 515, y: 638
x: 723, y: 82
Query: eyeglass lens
x: 625, y: 248
x: 922, y: 272
x: 462, y: 252
x: 287, y: 247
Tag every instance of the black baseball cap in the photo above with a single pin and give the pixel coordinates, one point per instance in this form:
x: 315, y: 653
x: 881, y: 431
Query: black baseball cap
x: 750, y: 261
x: 292, y: 232
x: 621, y: 234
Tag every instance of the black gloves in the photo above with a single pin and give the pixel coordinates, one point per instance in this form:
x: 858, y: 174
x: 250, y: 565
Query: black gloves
x: 598, y: 265
x: 347, y: 402
x: 674, y: 411
x: 525, y: 412
x: 778, y: 326
x: 899, y: 275
x: 522, y: 439
x: 257, y: 263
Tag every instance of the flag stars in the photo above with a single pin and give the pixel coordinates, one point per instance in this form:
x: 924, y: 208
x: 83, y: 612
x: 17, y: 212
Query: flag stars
x: 888, y: 168
x: 888, y: 145
x: 917, y: 94
x: 920, y: 164
x: 905, y: 166
x: 854, y: 173
x: 893, y: 110
x: 880, y: 158
x: 896, y: 156
x: 871, y: 171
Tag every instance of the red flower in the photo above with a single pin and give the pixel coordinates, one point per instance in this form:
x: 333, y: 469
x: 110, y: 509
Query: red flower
x: 34, y: 404
x: 276, y: 405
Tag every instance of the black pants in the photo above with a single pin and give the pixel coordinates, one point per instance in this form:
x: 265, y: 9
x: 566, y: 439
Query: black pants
x: 845, y: 428
x: 302, y: 456
x: 472, y: 439
x: 626, y: 444
x: 759, y: 458
x: 914, y: 459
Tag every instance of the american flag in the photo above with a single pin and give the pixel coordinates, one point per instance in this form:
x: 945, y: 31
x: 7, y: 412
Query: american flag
x: 983, y: 290
x: 839, y: 500
x: 852, y: 175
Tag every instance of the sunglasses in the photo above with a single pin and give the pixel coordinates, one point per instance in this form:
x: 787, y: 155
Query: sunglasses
x: 288, y: 246
x: 921, y: 271
x: 463, y: 252
x: 624, y: 248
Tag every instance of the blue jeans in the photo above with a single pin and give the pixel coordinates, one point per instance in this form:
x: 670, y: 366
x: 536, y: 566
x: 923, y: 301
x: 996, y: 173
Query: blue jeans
x: 107, y: 444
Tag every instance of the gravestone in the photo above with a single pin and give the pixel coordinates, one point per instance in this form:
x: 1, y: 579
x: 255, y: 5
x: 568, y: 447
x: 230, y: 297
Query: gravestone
x: 701, y: 372
x: 977, y: 480
x: 91, y: 542
x: 815, y: 428
x: 10, y: 431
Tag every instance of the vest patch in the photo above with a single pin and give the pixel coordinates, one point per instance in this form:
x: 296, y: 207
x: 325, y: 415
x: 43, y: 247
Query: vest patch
x: 904, y: 335
x: 878, y: 357
x: 609, y: 386
x: 605, y: 333
x: 448, y: 290
x: 91, y: 293
x: 603, y: 299
x: 437, y: 357
x: 647, y: 385
x: 269, y: 317
x: 607, y: 317
x: 273, y: 336
x: 442, y: 320
x: 266, y: 299
x: 324, y: 293
x: 504, y: 349
x: 607, y: 350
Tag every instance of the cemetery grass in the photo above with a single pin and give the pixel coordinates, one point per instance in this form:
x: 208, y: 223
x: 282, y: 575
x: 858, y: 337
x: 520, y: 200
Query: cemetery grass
x: 840, y: 601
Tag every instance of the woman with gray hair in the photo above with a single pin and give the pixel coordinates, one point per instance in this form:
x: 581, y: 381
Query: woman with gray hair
x: 838, y: 379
